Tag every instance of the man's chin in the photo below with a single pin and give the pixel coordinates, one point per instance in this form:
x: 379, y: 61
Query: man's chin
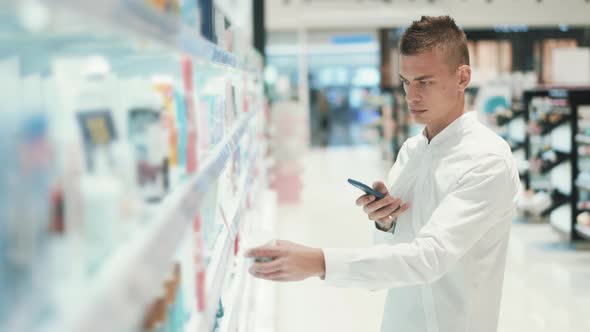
x: 419, y: 119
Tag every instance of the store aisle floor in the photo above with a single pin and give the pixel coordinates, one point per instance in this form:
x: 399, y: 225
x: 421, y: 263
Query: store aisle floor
x: 547, y: 285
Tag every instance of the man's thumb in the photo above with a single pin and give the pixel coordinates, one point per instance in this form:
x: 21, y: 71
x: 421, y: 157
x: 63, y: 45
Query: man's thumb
x: 380, y: 187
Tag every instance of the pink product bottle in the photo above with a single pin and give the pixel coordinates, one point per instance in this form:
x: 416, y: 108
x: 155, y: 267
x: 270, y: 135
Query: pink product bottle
x: 191, y: 119
x: 199, y: 266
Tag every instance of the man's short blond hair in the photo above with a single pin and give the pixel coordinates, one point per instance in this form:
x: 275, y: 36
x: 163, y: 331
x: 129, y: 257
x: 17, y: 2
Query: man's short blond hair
x: 436, y: 32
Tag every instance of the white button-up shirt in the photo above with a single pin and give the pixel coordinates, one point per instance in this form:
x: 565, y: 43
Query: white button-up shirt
x: 444, y: 265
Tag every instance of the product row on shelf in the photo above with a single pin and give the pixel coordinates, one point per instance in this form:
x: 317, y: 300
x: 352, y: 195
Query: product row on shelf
x: 206, y: 29
x: 135, y: 171
x: 547, y: 133
x: 213, y: 18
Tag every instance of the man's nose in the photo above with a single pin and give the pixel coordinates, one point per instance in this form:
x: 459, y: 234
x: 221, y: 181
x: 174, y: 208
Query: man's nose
x: 412, y: 97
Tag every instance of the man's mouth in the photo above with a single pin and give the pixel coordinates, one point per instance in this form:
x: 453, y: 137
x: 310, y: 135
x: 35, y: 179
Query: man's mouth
x: 417, y: 111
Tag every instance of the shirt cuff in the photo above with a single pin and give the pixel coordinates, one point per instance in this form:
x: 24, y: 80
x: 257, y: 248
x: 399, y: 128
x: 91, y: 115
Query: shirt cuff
x: 337, y: 267
x: 387, y: 230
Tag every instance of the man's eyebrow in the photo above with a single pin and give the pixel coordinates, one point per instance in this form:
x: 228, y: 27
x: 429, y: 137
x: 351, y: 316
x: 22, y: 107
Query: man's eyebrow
x: 424, y: 77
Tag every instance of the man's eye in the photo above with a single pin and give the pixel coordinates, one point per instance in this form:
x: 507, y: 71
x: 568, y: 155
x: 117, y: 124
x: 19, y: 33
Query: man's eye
x: 425, y: 83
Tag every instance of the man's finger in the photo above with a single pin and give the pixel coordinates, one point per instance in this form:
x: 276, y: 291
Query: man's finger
x: 267, y: 267
x: 396, y: 213
x: 380, y: 187
x: 388, y: 200
x: 364, y: 200
x: 401, y: 210
x: 264, y: 251
x: 383, y: 212
x: 273, y: 276
x: 281, y: 278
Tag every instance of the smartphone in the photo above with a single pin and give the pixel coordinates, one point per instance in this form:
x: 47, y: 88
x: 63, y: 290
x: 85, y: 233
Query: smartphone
x: 368, y: 190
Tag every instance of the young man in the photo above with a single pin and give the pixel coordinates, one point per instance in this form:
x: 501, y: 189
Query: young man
x: 447, y: 214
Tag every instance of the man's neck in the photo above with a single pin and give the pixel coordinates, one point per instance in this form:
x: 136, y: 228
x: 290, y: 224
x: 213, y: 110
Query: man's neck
x: 434, y: 129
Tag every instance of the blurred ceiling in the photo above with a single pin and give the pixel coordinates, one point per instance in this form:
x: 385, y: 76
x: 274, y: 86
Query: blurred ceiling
x: 330, y: 14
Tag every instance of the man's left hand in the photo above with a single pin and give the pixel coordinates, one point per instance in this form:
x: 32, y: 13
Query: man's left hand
x: 291, y: 262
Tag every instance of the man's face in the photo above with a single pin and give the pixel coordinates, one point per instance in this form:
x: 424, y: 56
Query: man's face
x: 432, y: 87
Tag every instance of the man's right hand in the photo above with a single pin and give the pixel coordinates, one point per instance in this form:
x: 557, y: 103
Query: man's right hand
x: 383, y: 211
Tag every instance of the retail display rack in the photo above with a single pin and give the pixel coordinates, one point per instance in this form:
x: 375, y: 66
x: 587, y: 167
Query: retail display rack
x: 556, y: 148
x: 139, y: 165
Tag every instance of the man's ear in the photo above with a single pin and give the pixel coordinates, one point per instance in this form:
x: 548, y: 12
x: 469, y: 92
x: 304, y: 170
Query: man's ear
x: 464, y: 72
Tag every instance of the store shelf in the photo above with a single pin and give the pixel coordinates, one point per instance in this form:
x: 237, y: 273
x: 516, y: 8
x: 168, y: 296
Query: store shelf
x: 258, y: 293
x: 140, y: 19
x: 562, y: 227
x: 518, y: 113
x: 548, y: 127
x: 230, y: 320
x: 548, y: 168
x: 215, y: 275
x: 238, y: 290
x: 514, y: 145
x: 582, y: 186
x: 583, y: 139
x: 560, y: 218
x: 223, y: 251
x: 246, y: 303
x: 222, y: 154
x: 138, y: 268
x: 194, y: 324
x: 583, y: 231
x: 558, y: 200
x: 244, y: 293
x: 503, y: 120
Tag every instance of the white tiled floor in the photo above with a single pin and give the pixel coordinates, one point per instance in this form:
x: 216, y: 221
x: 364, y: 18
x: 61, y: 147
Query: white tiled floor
x: 547, y: 286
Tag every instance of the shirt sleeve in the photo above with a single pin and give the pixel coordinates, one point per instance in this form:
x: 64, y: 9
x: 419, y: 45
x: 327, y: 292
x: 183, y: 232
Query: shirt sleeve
x: 482, y: 199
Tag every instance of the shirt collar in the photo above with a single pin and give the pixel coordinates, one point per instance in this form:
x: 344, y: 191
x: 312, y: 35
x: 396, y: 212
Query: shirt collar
x: 457, y: 127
